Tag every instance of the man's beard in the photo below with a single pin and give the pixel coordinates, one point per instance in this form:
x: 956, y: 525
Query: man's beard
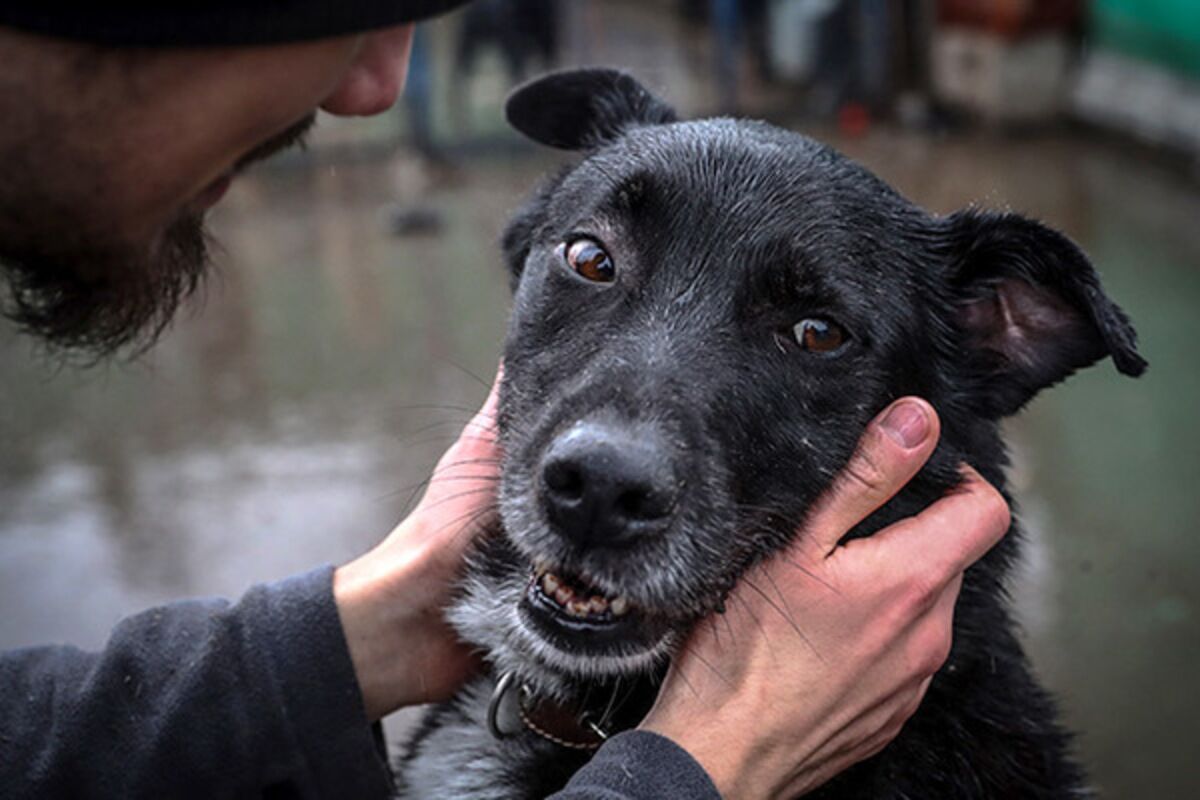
x: 98, y: 296
x: 98, y: 300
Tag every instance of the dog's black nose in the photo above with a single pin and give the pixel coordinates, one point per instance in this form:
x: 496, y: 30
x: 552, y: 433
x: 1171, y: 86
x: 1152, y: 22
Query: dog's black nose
x: 604, y: 485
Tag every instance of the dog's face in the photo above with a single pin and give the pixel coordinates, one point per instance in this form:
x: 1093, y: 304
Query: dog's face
x: 707, y: 314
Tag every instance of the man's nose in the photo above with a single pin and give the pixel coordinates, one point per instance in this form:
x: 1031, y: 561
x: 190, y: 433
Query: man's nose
x: 376, y: 76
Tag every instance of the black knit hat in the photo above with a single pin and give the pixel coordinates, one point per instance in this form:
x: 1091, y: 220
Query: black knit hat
x: 213, y: 22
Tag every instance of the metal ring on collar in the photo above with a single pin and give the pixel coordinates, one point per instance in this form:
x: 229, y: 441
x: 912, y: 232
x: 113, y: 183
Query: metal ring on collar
x: 506, y: 683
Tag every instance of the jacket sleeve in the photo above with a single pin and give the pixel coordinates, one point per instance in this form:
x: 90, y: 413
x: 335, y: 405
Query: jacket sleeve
x: 196, y: 699
x: 639, y: 765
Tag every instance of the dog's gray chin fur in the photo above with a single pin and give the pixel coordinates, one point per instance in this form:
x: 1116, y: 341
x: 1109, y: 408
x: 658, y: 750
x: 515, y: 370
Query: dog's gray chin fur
x: 487, y: 615
x: 487, y: 612
x: 674, y: 579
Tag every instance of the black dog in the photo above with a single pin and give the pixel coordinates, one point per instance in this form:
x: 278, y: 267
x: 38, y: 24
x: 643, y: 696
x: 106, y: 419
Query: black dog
x: 707, y: 315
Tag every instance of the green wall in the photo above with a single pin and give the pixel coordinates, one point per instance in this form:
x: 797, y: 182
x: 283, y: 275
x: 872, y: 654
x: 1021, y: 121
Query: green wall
x: 1165, y: 32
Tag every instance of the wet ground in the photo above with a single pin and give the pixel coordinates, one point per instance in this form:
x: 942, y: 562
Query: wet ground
x: 286, y: 422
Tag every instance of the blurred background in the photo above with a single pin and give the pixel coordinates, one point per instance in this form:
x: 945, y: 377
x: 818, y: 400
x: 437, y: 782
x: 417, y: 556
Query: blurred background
x: 360, y: 304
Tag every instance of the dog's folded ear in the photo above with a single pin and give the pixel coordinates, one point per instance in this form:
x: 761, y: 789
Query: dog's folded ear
x: 1029, y: 308
x: 583, y: 108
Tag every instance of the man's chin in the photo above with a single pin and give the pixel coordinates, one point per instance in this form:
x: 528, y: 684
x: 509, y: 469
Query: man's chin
x: 98, y: 299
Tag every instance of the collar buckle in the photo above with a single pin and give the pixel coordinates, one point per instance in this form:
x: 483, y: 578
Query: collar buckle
x: 512, y: 708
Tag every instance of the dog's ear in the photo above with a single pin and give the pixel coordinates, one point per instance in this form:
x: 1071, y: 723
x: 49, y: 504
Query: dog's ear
x: 583, y: 108
x: 1029, y: 307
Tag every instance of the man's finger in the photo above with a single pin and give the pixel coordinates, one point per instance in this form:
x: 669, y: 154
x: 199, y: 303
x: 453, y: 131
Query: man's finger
x: 953, y: 533
x: 894, y: 447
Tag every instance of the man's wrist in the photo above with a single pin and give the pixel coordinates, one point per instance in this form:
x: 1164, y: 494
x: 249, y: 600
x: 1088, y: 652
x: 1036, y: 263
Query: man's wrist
x: 721, y: 760
x: 376, y: 623
x: 391, y: 602
x: 355, y: 594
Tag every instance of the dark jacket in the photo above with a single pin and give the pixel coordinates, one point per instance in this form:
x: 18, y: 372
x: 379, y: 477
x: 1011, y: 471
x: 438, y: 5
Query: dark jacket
x: 211, y: 700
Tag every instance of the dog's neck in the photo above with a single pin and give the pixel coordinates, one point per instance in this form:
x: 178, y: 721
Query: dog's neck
x: 582, y: 721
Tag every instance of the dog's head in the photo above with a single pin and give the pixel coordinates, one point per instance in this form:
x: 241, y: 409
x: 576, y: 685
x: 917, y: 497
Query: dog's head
x: 707, y: 314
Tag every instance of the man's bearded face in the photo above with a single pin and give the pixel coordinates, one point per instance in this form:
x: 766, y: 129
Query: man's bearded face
x: 81, y: 289
x: 100, y: 297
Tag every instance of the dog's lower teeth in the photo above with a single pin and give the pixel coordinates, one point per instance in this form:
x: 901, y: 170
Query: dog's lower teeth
x: 564, y: 595
x: 577, y: 608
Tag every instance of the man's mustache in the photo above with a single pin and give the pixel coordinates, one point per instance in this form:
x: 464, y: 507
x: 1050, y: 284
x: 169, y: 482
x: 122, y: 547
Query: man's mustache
x: 289, y: 137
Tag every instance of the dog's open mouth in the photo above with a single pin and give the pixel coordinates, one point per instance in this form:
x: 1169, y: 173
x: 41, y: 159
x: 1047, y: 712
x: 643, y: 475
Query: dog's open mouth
x: 577, y: 616
x: 576, y: 598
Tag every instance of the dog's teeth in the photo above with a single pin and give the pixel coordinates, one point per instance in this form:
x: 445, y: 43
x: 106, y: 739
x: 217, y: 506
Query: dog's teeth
x: 577, y: 608
x: 577, y: 605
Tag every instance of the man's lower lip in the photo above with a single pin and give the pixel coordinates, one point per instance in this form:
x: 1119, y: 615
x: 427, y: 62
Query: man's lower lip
x: 214, y: 192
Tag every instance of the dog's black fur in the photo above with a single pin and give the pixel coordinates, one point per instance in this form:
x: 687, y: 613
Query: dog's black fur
x: 722, y: 236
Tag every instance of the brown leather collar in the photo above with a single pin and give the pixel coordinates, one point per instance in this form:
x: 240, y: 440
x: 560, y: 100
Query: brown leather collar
x: 574, y: 726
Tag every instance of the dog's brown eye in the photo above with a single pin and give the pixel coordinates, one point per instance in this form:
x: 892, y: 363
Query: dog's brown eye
x: 817, y: 335
x: 589, y: 260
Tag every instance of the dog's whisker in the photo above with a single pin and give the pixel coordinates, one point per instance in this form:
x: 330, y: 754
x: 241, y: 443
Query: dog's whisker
x: 471, y: 519
x: 489, y: 460
x: 809, y: 573
x: 490, y: 477
x: 729, y: 628
x: 421, y: 484
x: 628, y: 692
x: 442, y: 440
x: 789, y: 522
x: 788, y: 617
x: 425, y: 437
x: 468, y: 411
x: 782, y: 599
x: 791, y: 561
x: 479, y: 434
x: 441, y: 423
x: 686, y: 681
x: 483, y: 490
x: 720, y: 676
x: 468, y: 372
x: 749, y: 611
x: 415, y: 489
x: 712, y: 626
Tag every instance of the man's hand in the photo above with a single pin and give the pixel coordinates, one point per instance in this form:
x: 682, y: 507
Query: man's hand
x: 826, y: 650
x: 391, y: 600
